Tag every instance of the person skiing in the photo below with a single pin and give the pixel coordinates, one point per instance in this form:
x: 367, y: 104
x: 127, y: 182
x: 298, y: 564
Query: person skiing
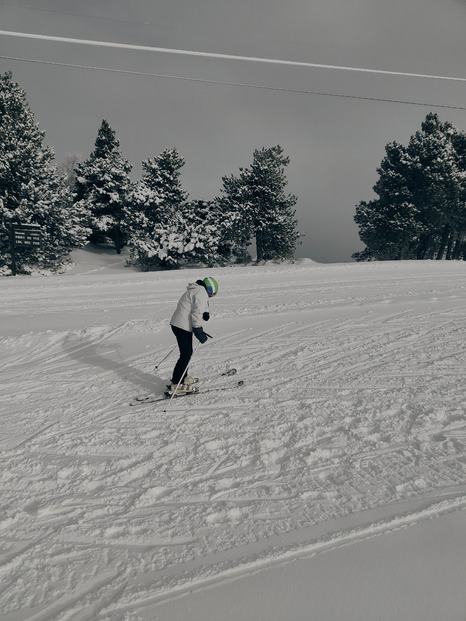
x: 191, y: 310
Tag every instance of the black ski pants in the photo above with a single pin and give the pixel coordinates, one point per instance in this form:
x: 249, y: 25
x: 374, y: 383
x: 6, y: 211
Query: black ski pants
x: 185, y: 344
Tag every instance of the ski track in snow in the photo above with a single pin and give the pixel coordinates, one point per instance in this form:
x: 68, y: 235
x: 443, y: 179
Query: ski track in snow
x: 351, y: 422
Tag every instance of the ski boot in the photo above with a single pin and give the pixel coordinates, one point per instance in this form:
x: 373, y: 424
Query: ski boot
x: 182, y: 389
x: 190, y: 380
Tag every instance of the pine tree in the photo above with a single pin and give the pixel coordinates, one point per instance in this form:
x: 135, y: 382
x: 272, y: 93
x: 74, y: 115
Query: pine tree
x: 162, y: 175
x: 102, y: 189
x: 421, y: 197
x: 258, y: 207
x: 439, y: 185
x: 31, y: 191
x: 203, y: 226
x: 157, y: 230
x: 238, y: 223
x: 390, y: 225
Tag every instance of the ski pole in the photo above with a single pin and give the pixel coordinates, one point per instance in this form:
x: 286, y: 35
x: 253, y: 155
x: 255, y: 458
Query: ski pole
x: 157, y: 365
x: 182, y: 377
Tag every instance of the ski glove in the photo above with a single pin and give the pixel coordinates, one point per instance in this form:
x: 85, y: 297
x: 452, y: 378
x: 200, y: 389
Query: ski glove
x: 200, y: 334
x: 206, y: 316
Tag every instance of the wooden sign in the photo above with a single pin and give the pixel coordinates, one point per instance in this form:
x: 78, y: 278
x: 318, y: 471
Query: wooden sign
x: 26, y: 235
x: 23, y: 236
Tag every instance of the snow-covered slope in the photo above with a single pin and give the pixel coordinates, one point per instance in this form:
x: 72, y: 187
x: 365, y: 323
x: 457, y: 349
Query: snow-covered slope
x: 351, y: 422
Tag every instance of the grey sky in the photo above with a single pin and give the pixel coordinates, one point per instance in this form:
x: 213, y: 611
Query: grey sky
x: 334, y: 143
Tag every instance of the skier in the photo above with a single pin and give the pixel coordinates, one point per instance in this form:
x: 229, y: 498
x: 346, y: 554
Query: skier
x: 187, y: 319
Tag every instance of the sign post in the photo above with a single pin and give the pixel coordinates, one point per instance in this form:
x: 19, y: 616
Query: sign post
x: 23, y: 236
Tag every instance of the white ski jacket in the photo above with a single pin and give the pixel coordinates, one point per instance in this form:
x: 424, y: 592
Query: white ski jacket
x: 191, y: 306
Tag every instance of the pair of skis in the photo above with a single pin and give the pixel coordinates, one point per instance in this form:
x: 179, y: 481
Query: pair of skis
x: 141, y: 399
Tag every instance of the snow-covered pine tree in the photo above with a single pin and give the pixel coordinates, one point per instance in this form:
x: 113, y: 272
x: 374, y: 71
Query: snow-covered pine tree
x: 390, y: 225
x: 102, y: 189
x: 259, y: 207
x: 162, y: 175
x: 237, y: 218
x: 203, y: 226
x: 438, y: 186
x: 158, y: 234
x: 31, y: 191
x: 421, y: 197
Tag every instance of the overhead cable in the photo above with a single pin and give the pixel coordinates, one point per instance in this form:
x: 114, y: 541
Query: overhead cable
x: 254, y: 59
x: 240, y: 84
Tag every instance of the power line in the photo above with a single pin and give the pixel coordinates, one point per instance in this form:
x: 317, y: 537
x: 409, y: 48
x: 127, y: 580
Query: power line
x: 254, y: 59
x: 157, y: 25
x: 243, y: 85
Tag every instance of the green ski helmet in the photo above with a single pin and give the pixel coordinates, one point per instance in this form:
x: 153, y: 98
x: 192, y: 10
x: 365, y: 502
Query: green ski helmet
x: 211, y: 286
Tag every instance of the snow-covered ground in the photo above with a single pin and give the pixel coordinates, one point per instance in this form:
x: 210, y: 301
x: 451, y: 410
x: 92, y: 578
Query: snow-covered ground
x: 260, y: 501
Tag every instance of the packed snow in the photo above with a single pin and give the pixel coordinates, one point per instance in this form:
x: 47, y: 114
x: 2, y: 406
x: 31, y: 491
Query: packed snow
x: 350, y: 423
